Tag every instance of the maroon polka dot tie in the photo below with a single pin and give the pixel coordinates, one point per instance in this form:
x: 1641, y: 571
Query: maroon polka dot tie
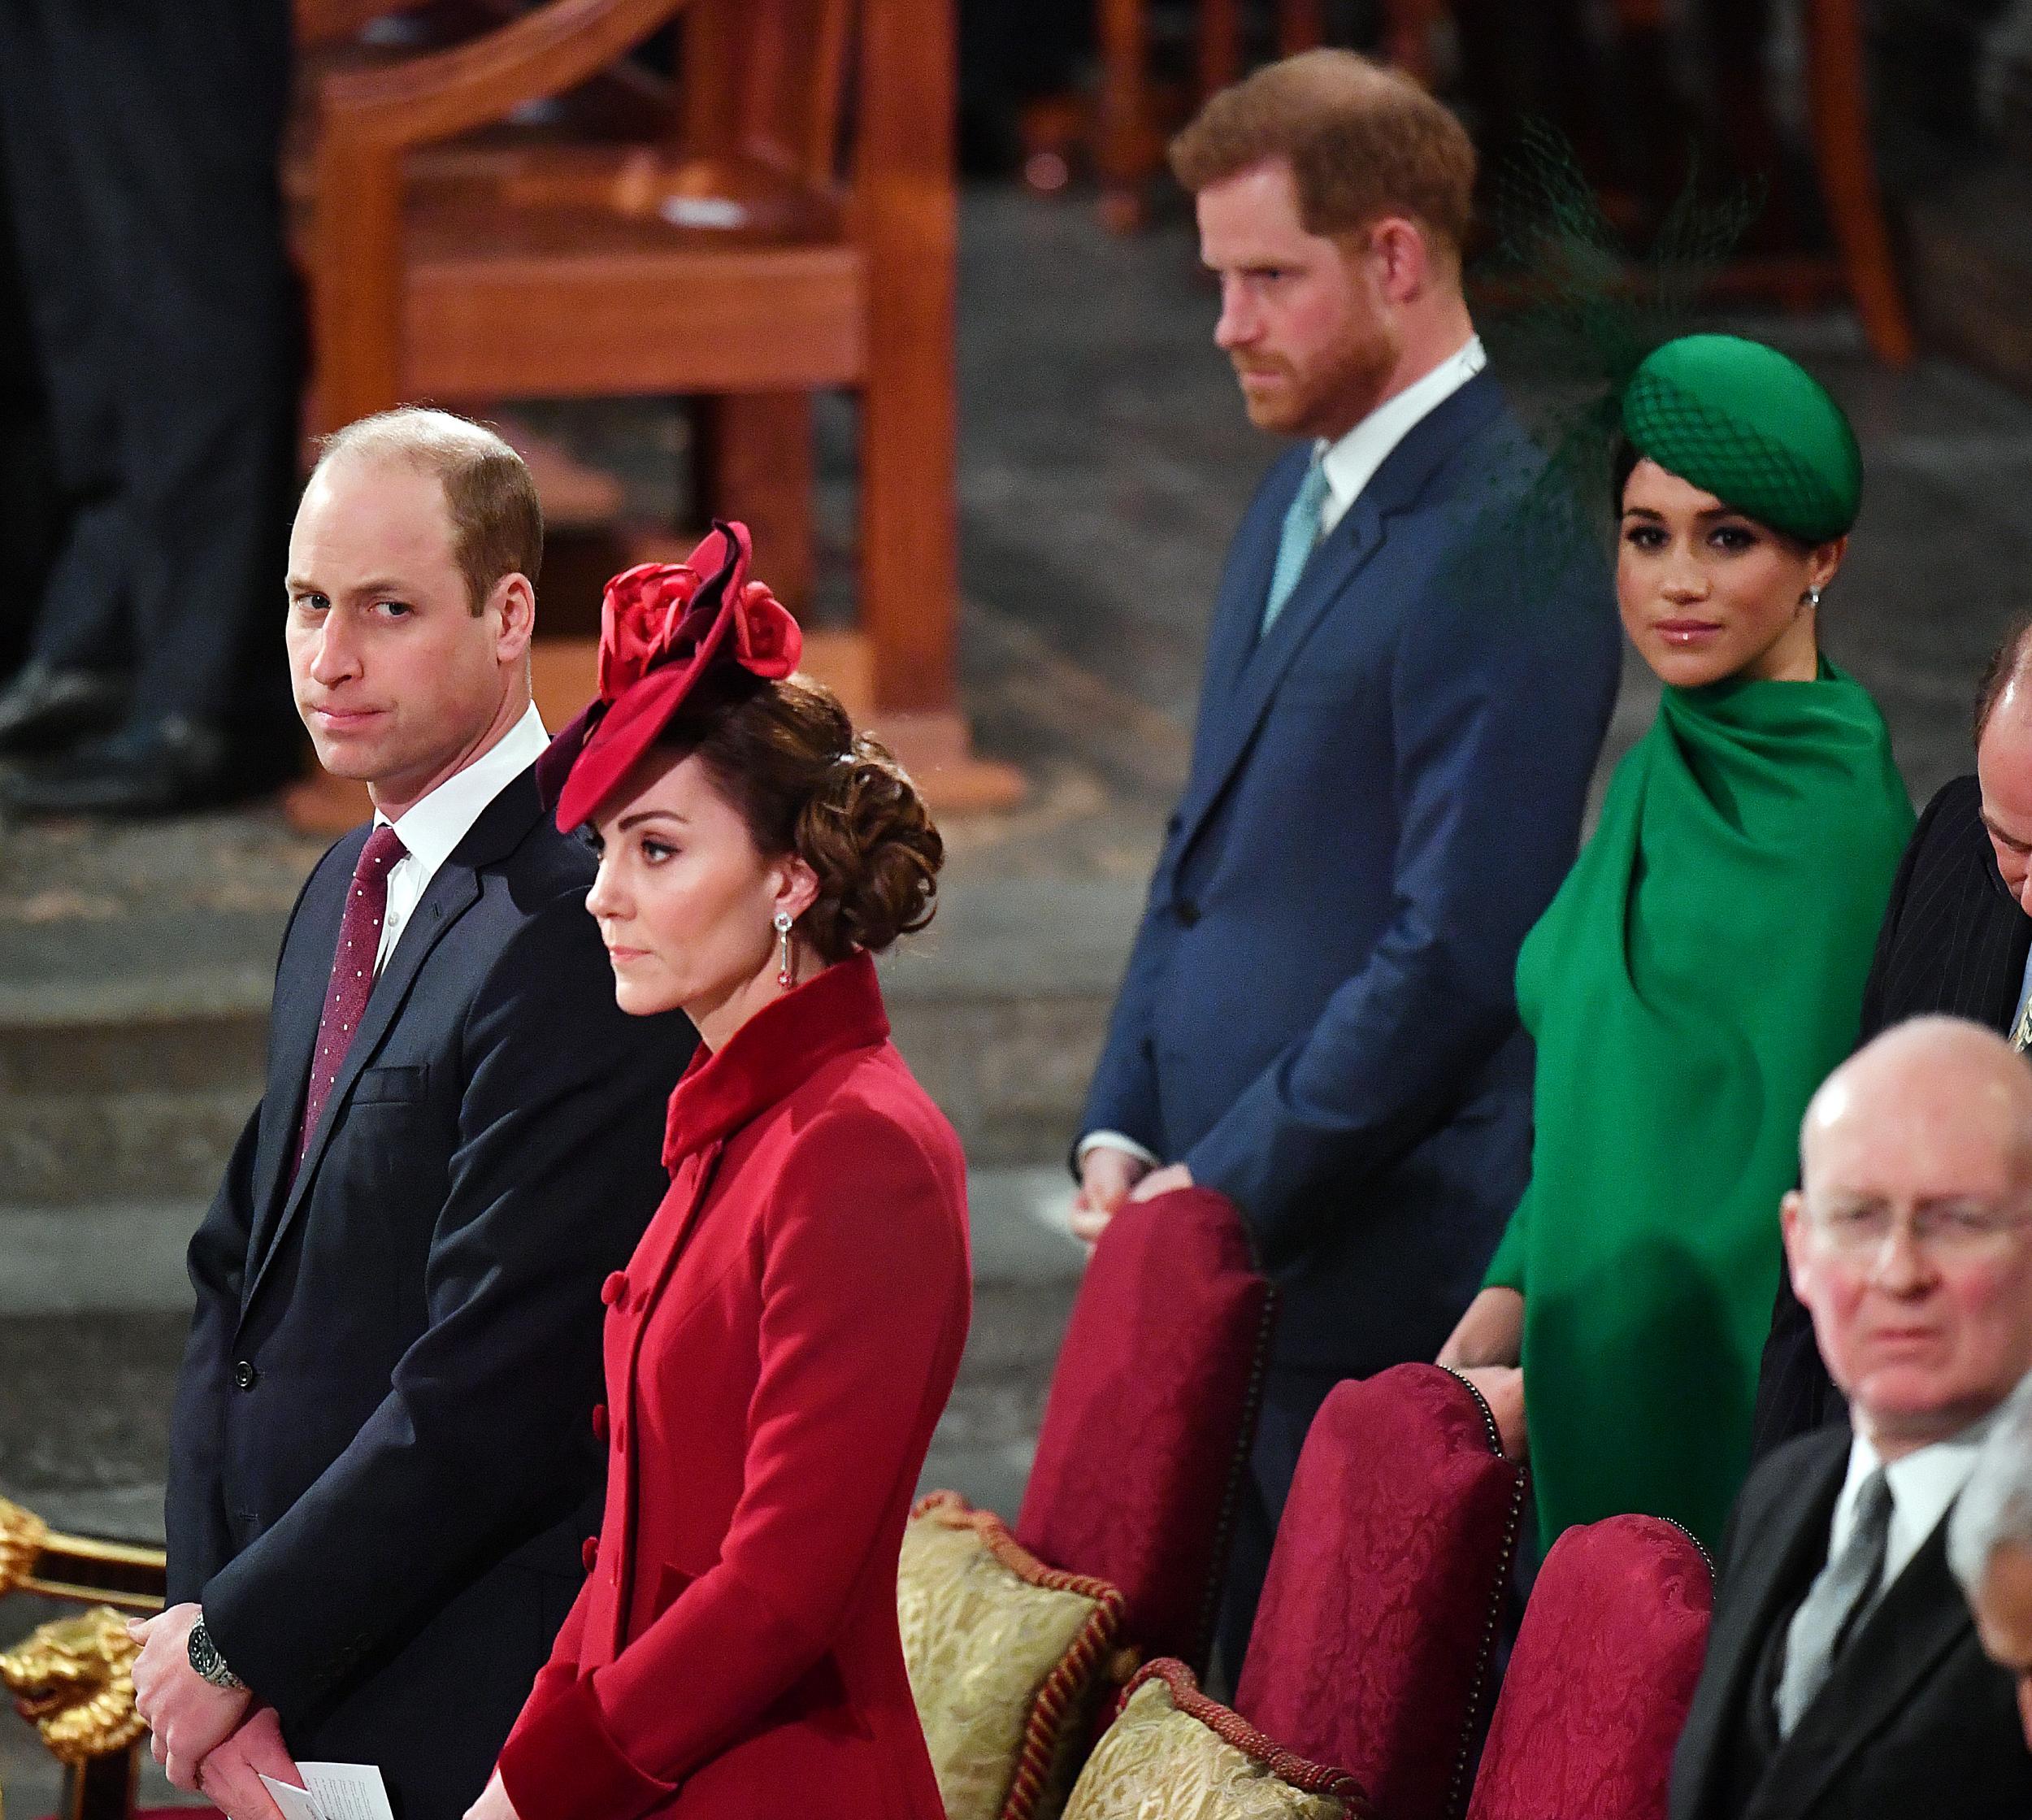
x: 352, y: 974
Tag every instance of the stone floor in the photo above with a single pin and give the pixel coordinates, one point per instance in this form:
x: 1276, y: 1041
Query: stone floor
x: 1104, y: 460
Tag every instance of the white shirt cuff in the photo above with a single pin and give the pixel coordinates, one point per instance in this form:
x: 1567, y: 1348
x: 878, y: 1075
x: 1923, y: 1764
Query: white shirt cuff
x: 1113, y: 1140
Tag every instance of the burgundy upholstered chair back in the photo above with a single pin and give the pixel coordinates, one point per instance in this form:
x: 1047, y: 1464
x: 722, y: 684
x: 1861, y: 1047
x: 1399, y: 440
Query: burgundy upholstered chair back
x: 1601, y: 1677
x: 1373, y: 1644
x: 1149, y: 1416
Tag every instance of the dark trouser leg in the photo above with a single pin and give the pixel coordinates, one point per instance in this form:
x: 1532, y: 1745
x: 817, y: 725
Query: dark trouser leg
x: 82, y: 618
x: 173, y: 111
x: 29, y: 505
x: 1290, y: 1402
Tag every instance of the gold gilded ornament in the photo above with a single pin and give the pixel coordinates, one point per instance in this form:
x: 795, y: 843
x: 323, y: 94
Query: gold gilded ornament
x: 22, y: 1534
x: 73, y: 1679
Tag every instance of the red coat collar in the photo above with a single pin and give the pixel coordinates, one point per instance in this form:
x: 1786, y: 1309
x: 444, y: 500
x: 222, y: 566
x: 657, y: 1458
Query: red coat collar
x: 774, y: 1053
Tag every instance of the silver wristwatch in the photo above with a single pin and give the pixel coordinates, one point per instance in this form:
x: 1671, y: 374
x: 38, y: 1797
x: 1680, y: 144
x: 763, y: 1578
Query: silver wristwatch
x: 206, y: 1659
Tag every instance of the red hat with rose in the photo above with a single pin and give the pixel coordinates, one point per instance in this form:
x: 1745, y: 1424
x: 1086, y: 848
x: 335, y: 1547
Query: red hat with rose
x: 663, y: 626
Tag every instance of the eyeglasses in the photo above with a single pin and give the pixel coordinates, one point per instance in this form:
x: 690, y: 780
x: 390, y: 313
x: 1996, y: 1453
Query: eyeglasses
x: 1948, y: 1232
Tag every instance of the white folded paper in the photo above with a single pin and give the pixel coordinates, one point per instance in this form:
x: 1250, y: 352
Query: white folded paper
x: 334, y: 1792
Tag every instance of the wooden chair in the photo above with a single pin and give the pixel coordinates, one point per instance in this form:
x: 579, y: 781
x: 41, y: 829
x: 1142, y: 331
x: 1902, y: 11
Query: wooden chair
x: 72, y: 1677
x: 739, y: 256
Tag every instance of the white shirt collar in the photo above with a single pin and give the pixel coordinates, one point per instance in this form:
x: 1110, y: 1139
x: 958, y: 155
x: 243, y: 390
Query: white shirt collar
x: 435, y: 823
x: 1924, y: 1485
x: 1351, y: 462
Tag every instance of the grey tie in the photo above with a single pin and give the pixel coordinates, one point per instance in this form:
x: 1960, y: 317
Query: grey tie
x: 1833, y: 1603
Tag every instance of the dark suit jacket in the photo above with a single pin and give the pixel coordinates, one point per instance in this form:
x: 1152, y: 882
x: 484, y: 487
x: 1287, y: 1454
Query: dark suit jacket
x: 1319, y: 1016
x: 381, y: 1466
x: 1955, y: 940
x: 1914, y: 1718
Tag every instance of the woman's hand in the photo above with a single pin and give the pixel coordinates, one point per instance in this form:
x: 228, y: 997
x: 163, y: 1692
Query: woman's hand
x: 1502, y: 1388
x: 1491, y: 1332
x: 493, y: 1803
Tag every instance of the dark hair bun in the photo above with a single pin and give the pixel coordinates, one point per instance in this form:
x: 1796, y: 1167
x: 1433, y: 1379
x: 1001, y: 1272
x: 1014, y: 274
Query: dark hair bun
x: 786, y: 754
x: 868, y: 836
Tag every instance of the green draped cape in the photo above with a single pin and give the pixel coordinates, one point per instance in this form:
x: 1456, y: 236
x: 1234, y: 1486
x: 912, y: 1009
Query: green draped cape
x: 1697, y: 976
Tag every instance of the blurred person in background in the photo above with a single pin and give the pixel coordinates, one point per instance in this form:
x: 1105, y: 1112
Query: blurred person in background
x: 140, y: 141
x: 1394, y: 745
x: 1989, y: 1545
x: 27, y: 502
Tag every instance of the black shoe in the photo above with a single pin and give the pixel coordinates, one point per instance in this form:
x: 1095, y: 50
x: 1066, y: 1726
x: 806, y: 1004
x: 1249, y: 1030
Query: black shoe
x: 155, y: 767
x: 46, y: 707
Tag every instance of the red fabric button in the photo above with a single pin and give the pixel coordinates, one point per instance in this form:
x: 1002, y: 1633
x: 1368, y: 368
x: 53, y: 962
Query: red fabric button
x: 614, y: 1288
x: 599, y: 1422
x: 590, y: 1554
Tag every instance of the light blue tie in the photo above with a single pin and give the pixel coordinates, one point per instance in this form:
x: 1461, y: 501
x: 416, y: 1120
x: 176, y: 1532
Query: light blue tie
x: 1295, y: 542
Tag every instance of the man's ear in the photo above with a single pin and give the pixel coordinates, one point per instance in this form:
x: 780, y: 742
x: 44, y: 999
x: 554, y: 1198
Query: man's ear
x: 514, y: 599
x: 1403, y: 259
x: 1792, y: 1229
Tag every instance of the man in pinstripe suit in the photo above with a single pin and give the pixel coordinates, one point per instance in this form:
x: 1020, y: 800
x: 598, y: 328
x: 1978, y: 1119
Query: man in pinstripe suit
x: 1956, y: 937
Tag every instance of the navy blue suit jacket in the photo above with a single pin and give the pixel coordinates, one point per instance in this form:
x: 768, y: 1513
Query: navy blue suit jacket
x: 1319, y: 1017
x: 381, y: 1467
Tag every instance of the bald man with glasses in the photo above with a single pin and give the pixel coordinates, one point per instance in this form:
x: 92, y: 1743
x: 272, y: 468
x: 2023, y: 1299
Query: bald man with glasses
x: 1844, y: 1674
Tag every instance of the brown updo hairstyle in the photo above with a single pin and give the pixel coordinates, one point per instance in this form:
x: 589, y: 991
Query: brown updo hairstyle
x: 786, y: 756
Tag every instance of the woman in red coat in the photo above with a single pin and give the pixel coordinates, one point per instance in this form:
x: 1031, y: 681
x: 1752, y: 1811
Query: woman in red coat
x: 783, y: 1342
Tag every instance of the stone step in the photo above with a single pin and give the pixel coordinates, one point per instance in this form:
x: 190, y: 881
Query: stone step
x: 123, y: 1087
x: 68, y: 1149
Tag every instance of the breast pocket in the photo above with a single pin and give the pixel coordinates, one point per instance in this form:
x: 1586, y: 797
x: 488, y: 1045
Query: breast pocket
x: 387, y: 1086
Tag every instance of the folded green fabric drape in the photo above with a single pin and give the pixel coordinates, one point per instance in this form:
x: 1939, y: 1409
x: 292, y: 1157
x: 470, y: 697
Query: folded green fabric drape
x: 1695, y: 979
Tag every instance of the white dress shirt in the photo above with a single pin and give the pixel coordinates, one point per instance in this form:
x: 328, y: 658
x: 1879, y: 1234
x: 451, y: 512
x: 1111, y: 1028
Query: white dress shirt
x: 1923, y: 1485
x: 434, y: 824
x: 1350, y: 464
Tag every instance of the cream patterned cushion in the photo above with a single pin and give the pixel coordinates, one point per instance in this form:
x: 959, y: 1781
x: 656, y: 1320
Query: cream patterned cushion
x: 1174, y: 1753
x: 1008, y: 1659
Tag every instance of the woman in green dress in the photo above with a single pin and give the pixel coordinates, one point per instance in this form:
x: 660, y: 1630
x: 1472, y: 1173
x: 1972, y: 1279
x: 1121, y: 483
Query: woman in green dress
x: 1701, y: 969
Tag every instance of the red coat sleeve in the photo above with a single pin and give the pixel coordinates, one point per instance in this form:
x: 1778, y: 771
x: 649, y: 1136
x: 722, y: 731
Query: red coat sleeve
x: 557, y: 1674
x: 864, y: 1305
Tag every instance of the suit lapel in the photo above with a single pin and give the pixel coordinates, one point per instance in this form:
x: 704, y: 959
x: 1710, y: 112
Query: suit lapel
x: 1920, y: 1617
x: 1245, y: 583
x: 453, y: 890
x: 1762, y: 1577
x: 301, y: 981
x: 1339, y: 557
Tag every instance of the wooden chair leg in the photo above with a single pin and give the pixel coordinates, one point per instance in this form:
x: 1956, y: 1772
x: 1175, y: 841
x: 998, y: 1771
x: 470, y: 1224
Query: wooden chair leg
x: 1407, y: 35
x: 910, y: 528
x: 909, y: 501
x: 1220, y: 45
x: 1838, y: 85
x: 756, y: 464
x: 1301, y: 25
x: 1123, y: 132
x: 103, y: 1787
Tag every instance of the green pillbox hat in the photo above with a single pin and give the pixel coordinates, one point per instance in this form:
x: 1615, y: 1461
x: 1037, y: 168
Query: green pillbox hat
x: 1741, y: 421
